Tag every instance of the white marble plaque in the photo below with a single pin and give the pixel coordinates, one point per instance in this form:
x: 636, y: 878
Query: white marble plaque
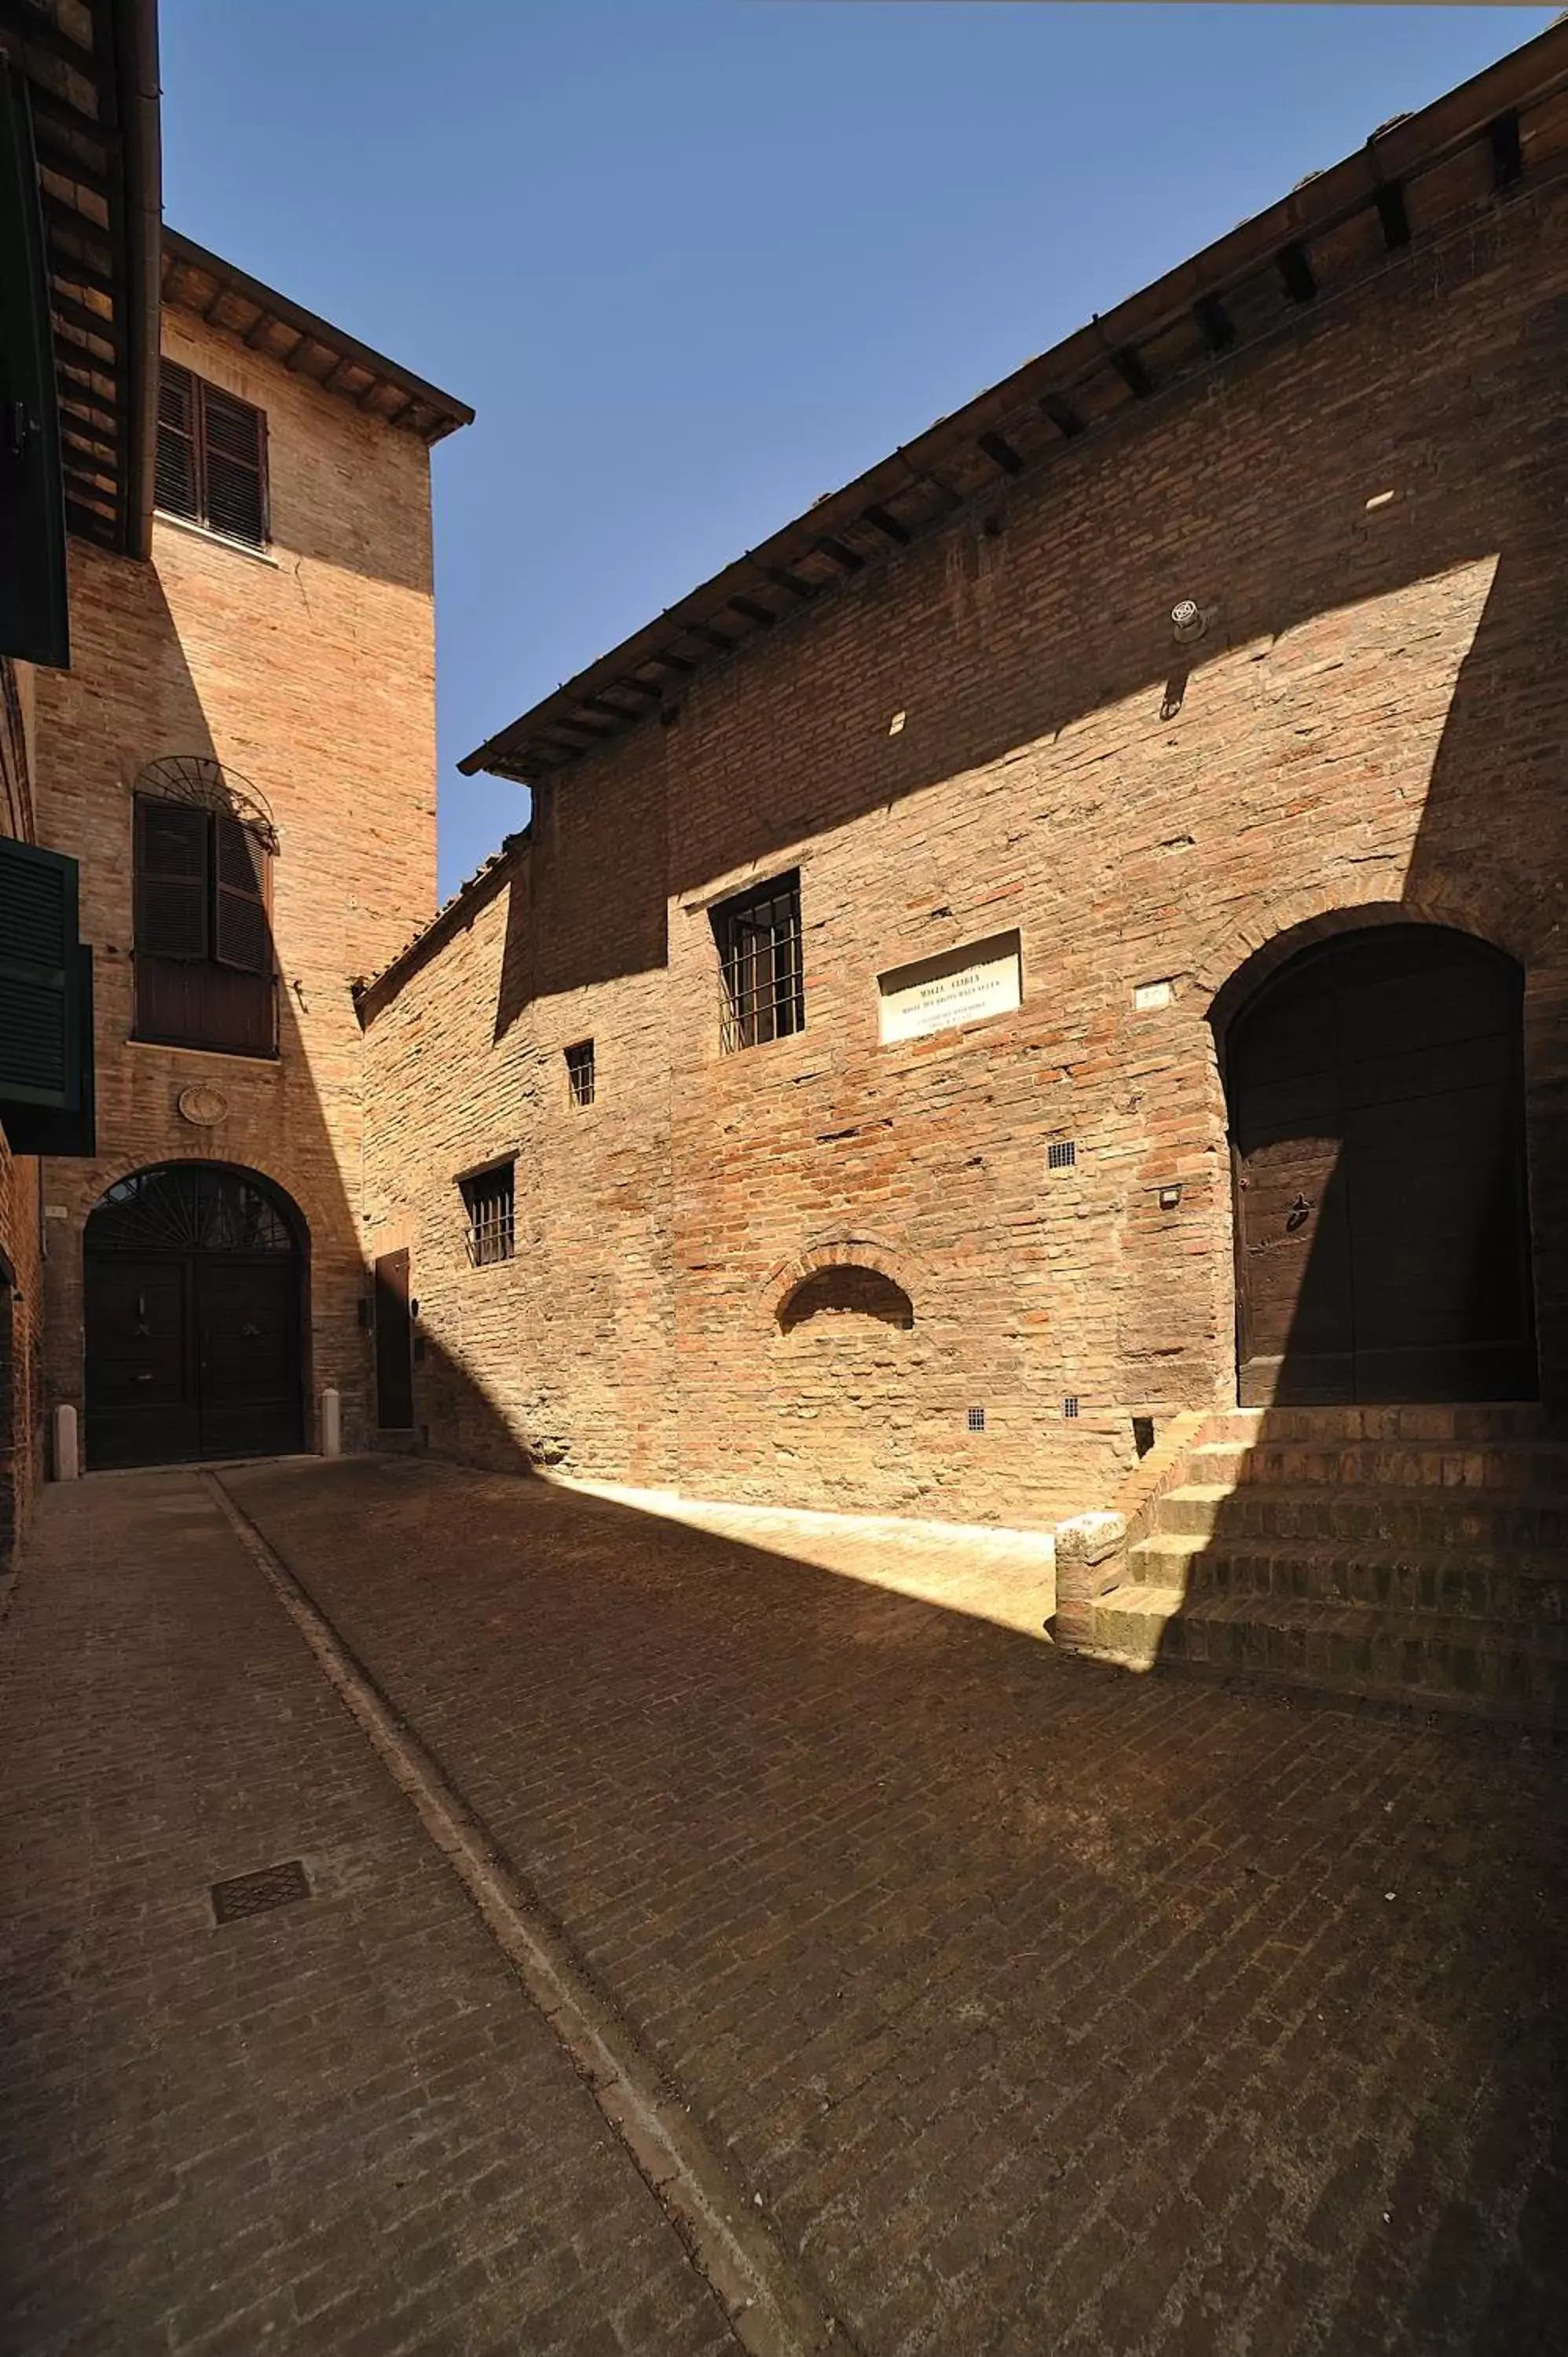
x: 962, y: 985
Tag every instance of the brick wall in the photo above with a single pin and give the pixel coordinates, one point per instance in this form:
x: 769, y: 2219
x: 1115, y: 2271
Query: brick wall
x: 564, y: 1350
x: 21, y: 1263
x: 309, y: 672
x: 1368, y: 506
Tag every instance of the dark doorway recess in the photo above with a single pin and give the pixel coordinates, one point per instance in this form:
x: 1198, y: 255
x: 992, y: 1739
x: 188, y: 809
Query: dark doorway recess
x: 1376, y: 1089
x: 394, y: 1345
x: 195, y: 1289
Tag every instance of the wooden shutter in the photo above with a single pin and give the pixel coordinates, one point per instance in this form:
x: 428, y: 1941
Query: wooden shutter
x: 34, y: 624
x: 179, y: 480
x: 50, y: 1129
x: 234, y: 457
x: 40, y: 1046
x: 173, y: 843
x: 243, y: 936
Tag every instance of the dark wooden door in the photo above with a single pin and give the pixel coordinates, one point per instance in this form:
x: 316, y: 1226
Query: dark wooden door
x: 143, y: 1406
x: 248, y: 1357
x: 394, y: 1345
x: 194, y: 1300
x: 1377, y: 1122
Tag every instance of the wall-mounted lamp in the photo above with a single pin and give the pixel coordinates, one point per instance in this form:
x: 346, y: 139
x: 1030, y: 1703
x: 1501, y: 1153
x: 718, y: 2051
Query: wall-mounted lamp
x: 1189, y: 621
x: 1169, y: 1198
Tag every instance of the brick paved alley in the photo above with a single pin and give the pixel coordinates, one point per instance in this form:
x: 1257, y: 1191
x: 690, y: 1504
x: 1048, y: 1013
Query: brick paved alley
x: 338, y: 2126
x: 1035, y: 2007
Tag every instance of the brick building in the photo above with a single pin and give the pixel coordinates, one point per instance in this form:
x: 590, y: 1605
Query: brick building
x: 236, y: 768
x: 876, y: 1076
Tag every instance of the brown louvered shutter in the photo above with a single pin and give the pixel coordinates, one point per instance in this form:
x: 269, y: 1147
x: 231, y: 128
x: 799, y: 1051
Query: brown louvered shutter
x: 172, y: 840
x: 244, y: 936
x: 234, y: 454
x: 179, y: 480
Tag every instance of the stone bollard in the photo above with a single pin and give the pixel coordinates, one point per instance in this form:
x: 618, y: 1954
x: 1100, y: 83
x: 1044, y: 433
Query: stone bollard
x: 1091, y: 1559
x: 331, y: 1423
x: 67, y: 1462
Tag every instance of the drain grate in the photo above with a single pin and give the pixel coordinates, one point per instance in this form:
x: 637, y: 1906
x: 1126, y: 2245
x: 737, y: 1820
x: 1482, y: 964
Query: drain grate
x: 256, y: 1894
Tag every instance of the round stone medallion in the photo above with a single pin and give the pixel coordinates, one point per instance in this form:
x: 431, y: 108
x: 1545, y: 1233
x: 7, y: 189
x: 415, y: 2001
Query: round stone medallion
x: 203, y: 1106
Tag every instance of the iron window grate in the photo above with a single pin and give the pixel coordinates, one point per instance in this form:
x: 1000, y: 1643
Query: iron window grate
x: 258, y: 1893
x: 1061, y: 1153
x: 1070, y: 1405
x: 489, y: 1198
x: 580, y: 1071
x: 977, y: 1419
x: 758, y: 939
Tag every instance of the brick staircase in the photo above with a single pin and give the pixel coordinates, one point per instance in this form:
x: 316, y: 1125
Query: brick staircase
x: 1415, y: 1554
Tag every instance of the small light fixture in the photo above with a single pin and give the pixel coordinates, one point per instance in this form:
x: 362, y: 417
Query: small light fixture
x: 1169, y: 1198
x: 1189, y: 621
x: 896, y: 725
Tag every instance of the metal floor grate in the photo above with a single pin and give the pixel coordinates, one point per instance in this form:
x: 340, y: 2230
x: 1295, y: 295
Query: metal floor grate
x: 256, y: 1894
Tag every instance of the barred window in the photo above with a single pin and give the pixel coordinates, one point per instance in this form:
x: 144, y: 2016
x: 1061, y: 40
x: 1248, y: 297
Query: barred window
x: 488, y: 1197
x: 759, y: 938
x: 213, y: 457
x: 580, y: 1071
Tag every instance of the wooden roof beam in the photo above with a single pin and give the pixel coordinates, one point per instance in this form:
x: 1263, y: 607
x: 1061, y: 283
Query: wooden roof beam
x: 1000, y: 452
x: 882, y: 519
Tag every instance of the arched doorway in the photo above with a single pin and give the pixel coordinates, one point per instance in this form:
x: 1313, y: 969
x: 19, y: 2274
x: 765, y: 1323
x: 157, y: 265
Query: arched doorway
x: 1376, y: 1093
x: 195, y: 1280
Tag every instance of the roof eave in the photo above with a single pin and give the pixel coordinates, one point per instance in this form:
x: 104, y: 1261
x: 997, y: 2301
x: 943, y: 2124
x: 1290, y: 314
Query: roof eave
x: 855, y: 526
x: 419, y: 406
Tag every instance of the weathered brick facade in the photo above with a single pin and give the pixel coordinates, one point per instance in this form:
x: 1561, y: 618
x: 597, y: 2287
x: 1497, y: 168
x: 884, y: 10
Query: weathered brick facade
x: 988, y: 729
x: 307, y: 671
x: 21, y: 1261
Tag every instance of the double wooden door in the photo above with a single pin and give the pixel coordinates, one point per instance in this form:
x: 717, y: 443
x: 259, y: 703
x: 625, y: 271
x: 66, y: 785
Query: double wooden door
x: 193, y: 1322
x: 1376, y: 1091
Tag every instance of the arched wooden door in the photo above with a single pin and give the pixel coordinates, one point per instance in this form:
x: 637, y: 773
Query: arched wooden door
x: 195, y: 1278
x: 1377, y: 1122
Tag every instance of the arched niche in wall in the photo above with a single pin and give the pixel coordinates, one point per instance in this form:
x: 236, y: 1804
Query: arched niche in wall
x: 849, y: 1290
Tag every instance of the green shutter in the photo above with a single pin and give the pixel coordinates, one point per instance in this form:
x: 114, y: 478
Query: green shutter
x: 40, y: 1036
x: 41, y: 1129
x: 33, y: 616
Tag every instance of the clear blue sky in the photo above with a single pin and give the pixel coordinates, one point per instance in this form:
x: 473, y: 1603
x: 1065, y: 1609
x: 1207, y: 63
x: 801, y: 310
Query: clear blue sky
x: 694, y: 261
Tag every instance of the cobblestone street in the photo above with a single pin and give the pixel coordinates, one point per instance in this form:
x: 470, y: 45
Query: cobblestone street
x: 1028, y: 2005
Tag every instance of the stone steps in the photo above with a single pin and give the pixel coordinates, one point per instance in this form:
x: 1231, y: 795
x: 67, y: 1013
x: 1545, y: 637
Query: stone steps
x: 1429, y: 1660
x: 1469, y: 1427
x: 1418, y: 1554
x: 1367, y: 1517
x: 1501, y: 1584
x: 1510, y: 1465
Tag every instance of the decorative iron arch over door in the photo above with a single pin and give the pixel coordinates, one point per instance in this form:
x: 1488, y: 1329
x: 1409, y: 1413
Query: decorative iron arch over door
x: 195, y: 1282
x: 1376, y: 1089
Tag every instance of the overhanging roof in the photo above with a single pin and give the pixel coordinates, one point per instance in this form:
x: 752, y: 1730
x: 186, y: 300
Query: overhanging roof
x: 1407, y: 187
x: 257, y: 315
x: 92, y: 71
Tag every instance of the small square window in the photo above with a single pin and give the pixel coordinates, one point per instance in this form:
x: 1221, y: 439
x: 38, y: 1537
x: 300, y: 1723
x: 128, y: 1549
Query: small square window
x: 1070, y: 1405
x: 488, y: 1197
x: 977, y: 1419
x: 1061, y: 1153
x: 759, y: 938
x: 580, y: 1071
